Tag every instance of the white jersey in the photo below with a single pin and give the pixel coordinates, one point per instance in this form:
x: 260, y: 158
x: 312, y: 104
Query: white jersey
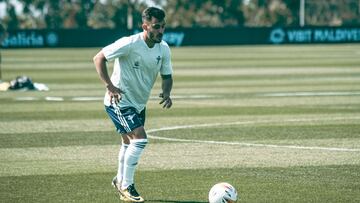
x: 136, y: 67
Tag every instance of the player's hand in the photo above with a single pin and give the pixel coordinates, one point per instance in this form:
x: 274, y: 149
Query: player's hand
x: 114, y: 93
x: 166, y: 101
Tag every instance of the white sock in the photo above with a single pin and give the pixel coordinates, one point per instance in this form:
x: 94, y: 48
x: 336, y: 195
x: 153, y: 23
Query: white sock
x: 132, y: 157
x: 120, y: 171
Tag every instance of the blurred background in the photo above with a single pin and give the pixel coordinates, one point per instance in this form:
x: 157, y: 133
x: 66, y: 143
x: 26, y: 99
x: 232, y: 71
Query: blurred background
x: 125, y: 14
x: 96, y: 23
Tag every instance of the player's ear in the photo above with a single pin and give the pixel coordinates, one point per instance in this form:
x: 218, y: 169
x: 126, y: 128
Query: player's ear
x: 144, y: 26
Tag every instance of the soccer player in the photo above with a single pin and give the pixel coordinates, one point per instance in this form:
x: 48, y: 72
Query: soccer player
x: 139, y: 58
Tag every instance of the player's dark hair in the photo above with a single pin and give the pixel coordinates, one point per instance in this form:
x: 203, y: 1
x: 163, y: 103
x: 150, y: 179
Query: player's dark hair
x: 153, y: 12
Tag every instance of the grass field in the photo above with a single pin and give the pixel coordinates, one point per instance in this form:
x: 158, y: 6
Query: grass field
x: 280, y: 123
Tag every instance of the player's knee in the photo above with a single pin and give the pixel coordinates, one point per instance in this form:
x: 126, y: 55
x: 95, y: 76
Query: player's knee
x: 125, y: 139
x: 138, y: 133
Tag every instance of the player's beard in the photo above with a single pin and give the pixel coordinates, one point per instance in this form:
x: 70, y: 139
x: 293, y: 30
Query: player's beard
x: 155, y: 38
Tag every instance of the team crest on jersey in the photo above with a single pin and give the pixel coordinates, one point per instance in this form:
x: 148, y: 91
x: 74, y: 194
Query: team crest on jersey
x: 136, y: 65
x: 158, y: 59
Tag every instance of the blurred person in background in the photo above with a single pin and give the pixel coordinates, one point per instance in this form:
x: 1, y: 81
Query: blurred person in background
x: 139, y: 59
x: 3, y: 35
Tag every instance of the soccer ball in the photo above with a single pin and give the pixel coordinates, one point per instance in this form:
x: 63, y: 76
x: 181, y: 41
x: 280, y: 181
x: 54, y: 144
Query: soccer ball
x: 222, y: 193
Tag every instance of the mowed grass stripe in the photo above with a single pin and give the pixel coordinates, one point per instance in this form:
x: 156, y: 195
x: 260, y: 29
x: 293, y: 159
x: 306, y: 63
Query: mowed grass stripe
x: 300, y: 82
x: 98, y: 158
x: 224, y: 71
x: 180, y: 111
x: 266, y: 71
x: 95, y: 97
x: 55, y: 66
x: 259, y: 132
x: 217, y: 73
x: 206, y: 63
x: 301, y: 101
x: 333, y: 82
x: 299, y: 133
x: 326, y: 62
x: 49, y: 77
x: 243, y: 99
x: 57, y: 139
x: 336, y: 183
x: 89, y: 125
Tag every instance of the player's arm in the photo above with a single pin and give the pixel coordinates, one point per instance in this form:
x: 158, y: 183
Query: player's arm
x: 101, y: 68
x: 166, y: 87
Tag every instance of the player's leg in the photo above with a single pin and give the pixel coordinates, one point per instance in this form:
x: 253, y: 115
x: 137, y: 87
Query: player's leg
x: 117, y: 180
x: 132, y: 157
x: 118, y: 120
x: 130, y: 124
x: 138, y: 141
x: 121, y: 158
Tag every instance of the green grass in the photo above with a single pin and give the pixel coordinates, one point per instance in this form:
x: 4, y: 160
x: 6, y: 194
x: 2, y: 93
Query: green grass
x: 294, y: 184
x: 289, y: 148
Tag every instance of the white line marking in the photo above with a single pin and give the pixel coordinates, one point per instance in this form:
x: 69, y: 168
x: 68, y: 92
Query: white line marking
x: 102, y: 98
x: 188, y: 97
x: 54, y: 99
x: 276, y: 94
x: 26, y: 98
x: 303, y: 94
x: 251, y: 144
x: 87, y: 98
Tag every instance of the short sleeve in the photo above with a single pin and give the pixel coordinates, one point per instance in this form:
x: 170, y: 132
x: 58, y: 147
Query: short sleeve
x: 166, y: 67
x: 117, y: 49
